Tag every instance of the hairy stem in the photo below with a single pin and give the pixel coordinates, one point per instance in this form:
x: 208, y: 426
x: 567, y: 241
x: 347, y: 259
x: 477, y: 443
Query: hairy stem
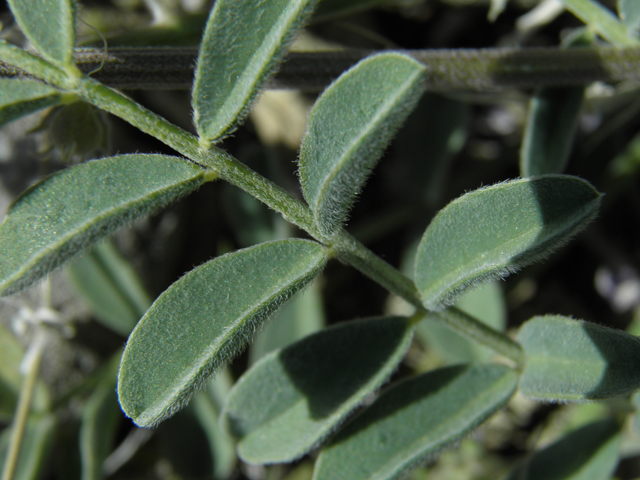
x: 292, y: 209
x: 22, y: 414
x: 447, y: 69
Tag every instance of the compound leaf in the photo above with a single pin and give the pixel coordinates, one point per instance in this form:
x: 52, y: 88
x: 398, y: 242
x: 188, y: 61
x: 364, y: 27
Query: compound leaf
x: 204, y: 319
x: 349, y: 127
x: 244, y: 41
x: 21, y: 96
x: 414, y: 420
x: 574, y: 360
x: 68, y: 211
x: 50, y: 27
x: 588, y: 453
x: 494, y: 231
x: 294, y: 398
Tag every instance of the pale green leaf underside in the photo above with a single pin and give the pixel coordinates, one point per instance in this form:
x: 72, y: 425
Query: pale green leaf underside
x: 244, y: 40
x: 414, y: 420
x: 494, y: 231
x: 588, y: 453
x: 111, y: 287
x: 600, y: 19
x: 69, y: 210
x: 205, y: 319
x: 574, y: 360
x: 349, y: 127
x: 548, y: 137
x: 21, y: 96
x: 50, y: 26
x: 295, y: 397
x: 629, y: 11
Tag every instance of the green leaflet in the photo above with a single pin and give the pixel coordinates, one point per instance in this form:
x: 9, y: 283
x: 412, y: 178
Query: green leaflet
x: 69, y: 210
x: 588, y: 453
x: 629, y: 11
x: 243, y: 42
x: 601, y: 20
x: 205, y: 319
x: 414, y: 420
x: 349, y: 127
x: 294, y: 398
x: 494, y: 231
x: 552, y: 122
x: 574, y: 360
x: 50, y: 26
x: 21, y: 96
x: 37, y: 442
x: 111, y: 287
x: 100, y: 418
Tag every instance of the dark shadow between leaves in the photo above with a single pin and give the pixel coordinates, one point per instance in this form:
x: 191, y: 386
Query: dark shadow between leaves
x: 401, y: 396
x: 331, y: 367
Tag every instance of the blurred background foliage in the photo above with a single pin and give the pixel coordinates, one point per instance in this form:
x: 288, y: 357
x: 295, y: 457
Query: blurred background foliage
x: 452, y: 143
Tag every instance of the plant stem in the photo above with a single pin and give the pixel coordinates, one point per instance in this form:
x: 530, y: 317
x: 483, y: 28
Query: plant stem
x: 292, y: 209
x: 22, y: 413
x: 447, y: 69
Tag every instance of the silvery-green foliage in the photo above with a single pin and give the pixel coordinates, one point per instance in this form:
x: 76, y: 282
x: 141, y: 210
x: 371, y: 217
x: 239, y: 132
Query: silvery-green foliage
x: 494, y: 231
x: 349, y: 127
x: 243, y: 43
x: 295, y: 397
x: 68, y: 211
x: 205, y: 319
x: 50, y: 27
x: 22, y: 96
x: 573, y: 360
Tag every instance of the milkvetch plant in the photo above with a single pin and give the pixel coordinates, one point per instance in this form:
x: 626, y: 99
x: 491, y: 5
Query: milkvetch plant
x: 334, y: 389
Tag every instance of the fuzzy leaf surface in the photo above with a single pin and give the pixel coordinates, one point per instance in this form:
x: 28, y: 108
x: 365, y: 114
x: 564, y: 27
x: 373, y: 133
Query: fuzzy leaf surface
x: 205, y: 319
x: 21, y: 96
x: 574, y: 360
x: 294, y: 398
x: 68, y: 211
x: 494, y: 231
x: 50, y: 26
x: 588, y: 453
x: 414, y: 420
x: 349, y: 127
x: 243, y: 43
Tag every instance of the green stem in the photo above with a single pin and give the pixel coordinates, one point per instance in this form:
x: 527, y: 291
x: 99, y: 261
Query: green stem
x: 22, y: 414
x: 292, y: 209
